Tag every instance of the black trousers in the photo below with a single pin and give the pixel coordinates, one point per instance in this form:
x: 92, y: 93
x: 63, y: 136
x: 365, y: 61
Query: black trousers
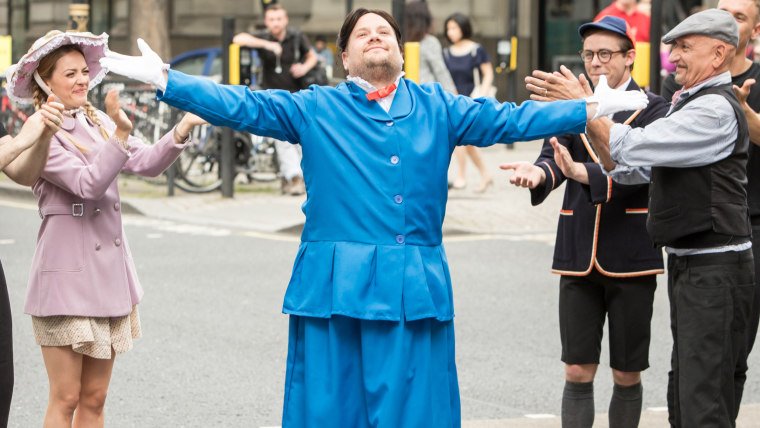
x: 741, y: 365
x: 711, y: 299
x: 6, y: 352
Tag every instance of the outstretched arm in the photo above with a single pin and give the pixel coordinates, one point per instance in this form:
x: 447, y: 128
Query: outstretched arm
x: 245, y: 39
x: 563, y: 85
x: 23, y: 158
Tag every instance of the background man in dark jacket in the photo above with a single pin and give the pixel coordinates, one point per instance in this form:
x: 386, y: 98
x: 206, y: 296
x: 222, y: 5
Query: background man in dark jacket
x: 286, y: 56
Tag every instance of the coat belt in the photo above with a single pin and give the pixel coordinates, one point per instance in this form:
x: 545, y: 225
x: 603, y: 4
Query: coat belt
x: 75, y: 210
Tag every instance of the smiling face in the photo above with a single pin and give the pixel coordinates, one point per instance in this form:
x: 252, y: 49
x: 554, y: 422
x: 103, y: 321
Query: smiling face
x: 618, y: 68
x: 70, y: 79
x: 698, y: 57
x: 372, y: 52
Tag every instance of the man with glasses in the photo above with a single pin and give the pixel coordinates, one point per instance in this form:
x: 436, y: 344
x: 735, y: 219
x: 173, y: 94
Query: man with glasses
x: 607, y: 262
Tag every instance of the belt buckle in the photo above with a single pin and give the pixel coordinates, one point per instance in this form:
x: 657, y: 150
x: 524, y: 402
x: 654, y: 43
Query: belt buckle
x: 79, y: 207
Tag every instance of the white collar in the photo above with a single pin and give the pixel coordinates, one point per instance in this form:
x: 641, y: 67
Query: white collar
x: 368, y: 86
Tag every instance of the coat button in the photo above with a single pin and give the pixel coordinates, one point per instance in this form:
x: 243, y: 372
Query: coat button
x: 400, y: 239
x: 97, y: 246
x: 117, y: 242
x: 388, y: 123
x: 398, y: 198
x: 96, y: 212
x: 394, y: 159
x: 116, y: 206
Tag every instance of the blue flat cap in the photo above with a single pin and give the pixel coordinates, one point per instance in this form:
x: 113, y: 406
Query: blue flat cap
x: 714, y: 23
x: 609, y: 23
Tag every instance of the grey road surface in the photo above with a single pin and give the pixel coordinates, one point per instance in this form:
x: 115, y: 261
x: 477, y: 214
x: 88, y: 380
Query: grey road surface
x: 214, y: 346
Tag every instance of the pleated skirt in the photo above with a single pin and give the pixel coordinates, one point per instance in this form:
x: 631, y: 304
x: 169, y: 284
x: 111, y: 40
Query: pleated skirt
x: 346, y: 372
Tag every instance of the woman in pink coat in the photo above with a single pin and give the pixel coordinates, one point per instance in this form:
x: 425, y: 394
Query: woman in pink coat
x: 83, y: 288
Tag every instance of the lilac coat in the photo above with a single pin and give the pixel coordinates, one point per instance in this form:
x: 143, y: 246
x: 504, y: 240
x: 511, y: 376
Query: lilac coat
x: 82, y: 265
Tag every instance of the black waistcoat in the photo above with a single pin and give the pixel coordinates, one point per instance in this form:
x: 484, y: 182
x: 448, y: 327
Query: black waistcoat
x: 703, y: 206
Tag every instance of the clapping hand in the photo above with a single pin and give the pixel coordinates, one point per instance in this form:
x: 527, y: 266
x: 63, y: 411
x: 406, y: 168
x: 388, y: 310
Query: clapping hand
x: 113, y: 108
x: 185, y: 127
x: 525, y: 174
x: 562, y: 85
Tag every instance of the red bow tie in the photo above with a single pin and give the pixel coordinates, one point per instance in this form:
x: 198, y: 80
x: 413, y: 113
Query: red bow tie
x: 381, y: 93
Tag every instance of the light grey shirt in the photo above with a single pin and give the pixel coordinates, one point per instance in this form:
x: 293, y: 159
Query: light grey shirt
x: 432, y: 67
x: 701, y: 133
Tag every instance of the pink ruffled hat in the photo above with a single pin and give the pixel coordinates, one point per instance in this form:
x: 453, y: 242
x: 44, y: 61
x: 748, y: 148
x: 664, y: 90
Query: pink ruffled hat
x: 19, y: 76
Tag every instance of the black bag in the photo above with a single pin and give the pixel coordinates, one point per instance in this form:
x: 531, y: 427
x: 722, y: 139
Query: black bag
x: 316, y: 76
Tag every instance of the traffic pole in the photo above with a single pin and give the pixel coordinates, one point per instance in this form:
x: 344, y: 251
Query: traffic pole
x: 227, y: 162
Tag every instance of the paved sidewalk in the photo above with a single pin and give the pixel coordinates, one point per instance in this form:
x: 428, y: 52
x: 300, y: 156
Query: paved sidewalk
x: 502, y: 210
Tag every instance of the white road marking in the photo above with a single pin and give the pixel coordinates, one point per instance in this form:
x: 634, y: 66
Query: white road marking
x: 540, y: 416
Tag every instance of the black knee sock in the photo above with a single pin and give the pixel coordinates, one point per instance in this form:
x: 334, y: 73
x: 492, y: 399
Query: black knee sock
x: 625, y: 406
x: 578, y: 405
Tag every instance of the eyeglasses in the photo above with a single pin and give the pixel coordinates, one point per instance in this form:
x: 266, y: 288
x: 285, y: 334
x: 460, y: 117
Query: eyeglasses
x: 604, y: 55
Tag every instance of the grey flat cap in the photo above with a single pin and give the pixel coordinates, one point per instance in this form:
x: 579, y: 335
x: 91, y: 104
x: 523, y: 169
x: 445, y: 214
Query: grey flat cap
x: 713, y: 23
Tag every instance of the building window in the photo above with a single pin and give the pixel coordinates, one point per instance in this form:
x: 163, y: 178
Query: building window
x: 101, y: 16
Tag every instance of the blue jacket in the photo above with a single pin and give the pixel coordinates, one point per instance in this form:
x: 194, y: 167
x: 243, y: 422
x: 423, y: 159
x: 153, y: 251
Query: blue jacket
x: 376, y: 183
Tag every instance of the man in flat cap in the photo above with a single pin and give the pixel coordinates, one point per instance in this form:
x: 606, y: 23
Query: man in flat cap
x: 696, y: 158
x: 746, y: 13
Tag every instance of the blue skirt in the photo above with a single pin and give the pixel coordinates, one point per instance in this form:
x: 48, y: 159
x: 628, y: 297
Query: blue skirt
x: 347, y: 372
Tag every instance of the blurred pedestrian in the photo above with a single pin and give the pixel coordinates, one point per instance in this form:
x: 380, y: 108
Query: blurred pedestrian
x: 418, y: 23
x: 470, y: 67
x: 22, y: 159
x: 370, y: 298
x: 628, y: 10
x: 324, y: 55
x: 607, y: 262
x: 277, y: 50
x: 83, y: 289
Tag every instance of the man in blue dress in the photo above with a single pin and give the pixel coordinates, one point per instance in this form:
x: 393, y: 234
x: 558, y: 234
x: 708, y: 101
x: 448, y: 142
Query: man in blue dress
x: 371, y: 333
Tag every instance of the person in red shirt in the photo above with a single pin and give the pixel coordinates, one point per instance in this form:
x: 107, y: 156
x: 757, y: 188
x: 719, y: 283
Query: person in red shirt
x: 627, y: 9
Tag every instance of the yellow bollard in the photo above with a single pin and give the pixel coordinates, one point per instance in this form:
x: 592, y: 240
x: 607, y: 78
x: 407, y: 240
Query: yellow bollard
x: 412, y: 61
x: 640, y: 71
x: 234, y: 64
x: 5, y: 54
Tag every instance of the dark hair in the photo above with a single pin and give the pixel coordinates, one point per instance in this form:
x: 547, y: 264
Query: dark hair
x: 417, y: 21
x: 625, y: 43
x: 352, y: 18
x: 320, y: 38
x: 274, y: 7
x: 462, y: 21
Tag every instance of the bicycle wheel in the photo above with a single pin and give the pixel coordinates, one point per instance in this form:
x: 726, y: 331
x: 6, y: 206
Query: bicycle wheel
x: 262, y: 164
x: 198, y: 166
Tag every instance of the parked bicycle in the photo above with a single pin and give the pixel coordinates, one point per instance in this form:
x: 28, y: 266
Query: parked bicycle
x: 198, y: 167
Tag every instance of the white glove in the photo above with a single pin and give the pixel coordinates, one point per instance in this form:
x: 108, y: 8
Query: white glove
x: 609, y: 101
x: 148, y: 68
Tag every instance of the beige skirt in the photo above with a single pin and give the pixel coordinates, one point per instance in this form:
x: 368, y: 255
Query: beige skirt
x: 90, y: 336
